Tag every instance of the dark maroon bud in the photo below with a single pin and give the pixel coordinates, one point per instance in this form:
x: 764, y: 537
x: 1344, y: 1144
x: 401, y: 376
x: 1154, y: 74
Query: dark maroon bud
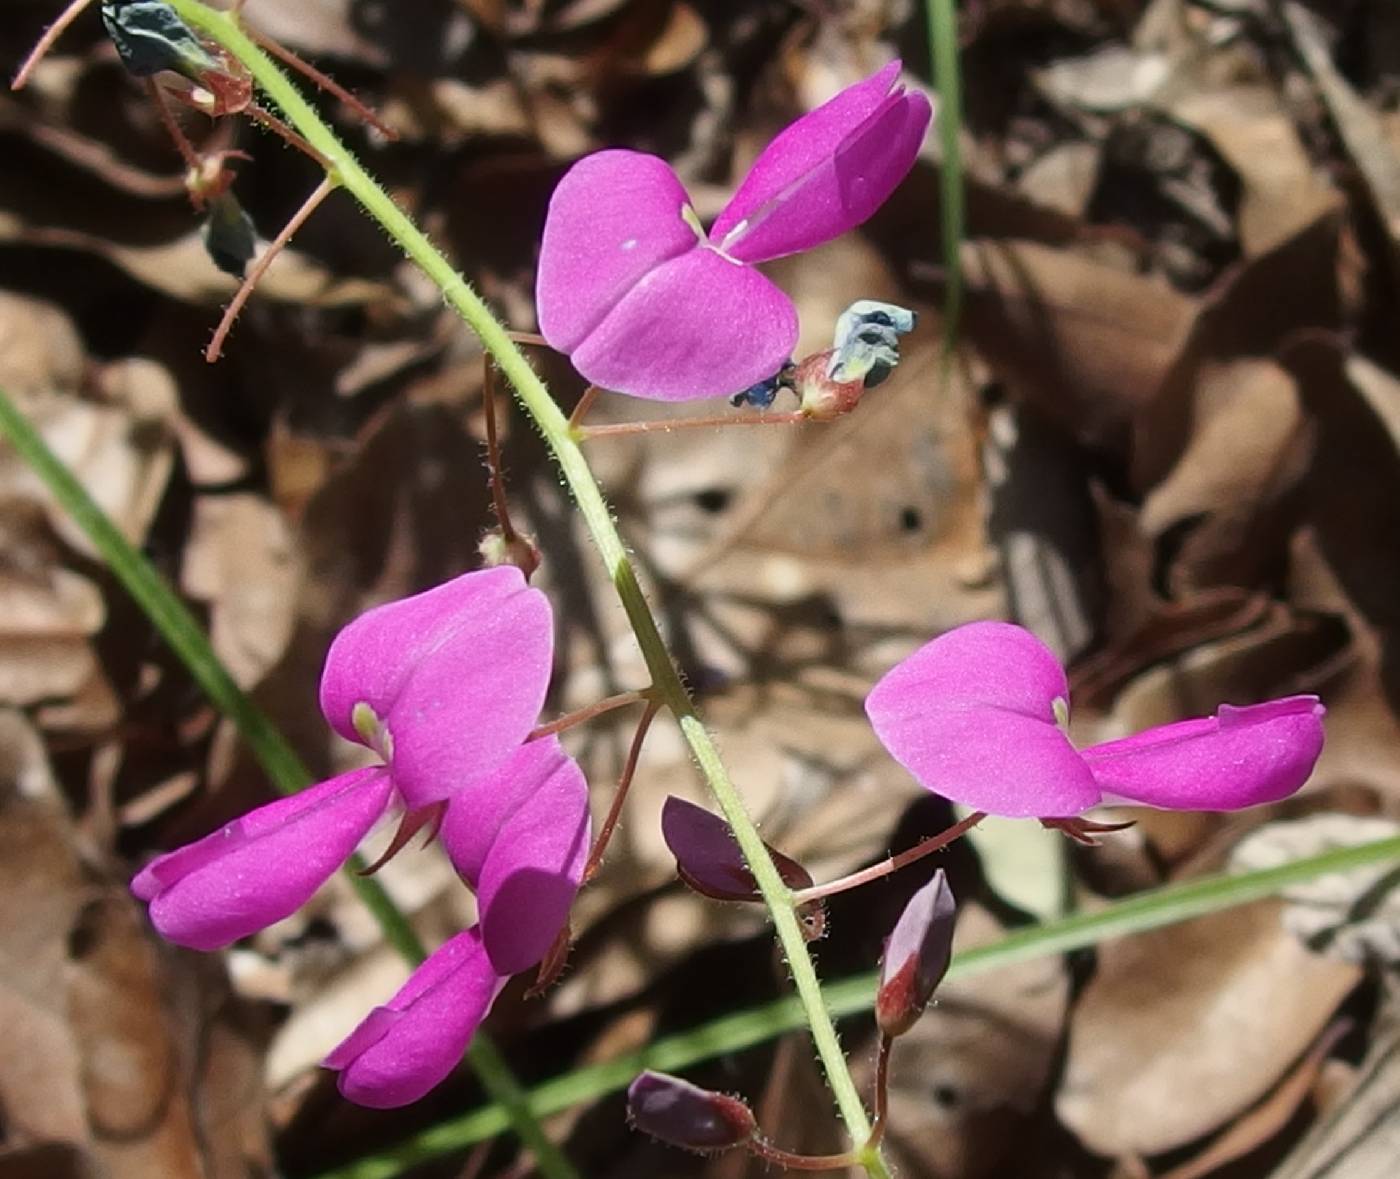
x: 709, y: 860
x: 684, y: 1115
x: 916, y: 956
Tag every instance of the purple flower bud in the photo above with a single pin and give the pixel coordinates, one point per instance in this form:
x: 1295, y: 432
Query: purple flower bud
x: 916, y: 956
x: 684, y: 1115
x: 709, y: 860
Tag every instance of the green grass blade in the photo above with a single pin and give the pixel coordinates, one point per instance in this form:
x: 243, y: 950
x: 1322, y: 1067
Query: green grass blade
x: 278, y: 759
x: 731, y: 1033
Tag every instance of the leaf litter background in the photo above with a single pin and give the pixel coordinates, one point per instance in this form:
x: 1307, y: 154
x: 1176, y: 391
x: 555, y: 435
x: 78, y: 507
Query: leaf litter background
x: 1169, y: 445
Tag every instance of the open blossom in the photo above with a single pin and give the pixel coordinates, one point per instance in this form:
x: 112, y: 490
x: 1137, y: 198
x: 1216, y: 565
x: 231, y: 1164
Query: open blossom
x: 644, y: 302
x: 445, y: 686
x: 977, y: 715
x: 521, y: 843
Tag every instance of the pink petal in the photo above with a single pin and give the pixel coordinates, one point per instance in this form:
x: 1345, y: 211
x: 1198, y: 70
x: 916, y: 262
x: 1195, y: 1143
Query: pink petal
x: 615, y: 216
x: 1240, y: 757
x: 971, y: 716
x: 841, y: 191
x: 456, y: 675
x: 533, y: 872
x: 409, y: 1045
x: 803, y: 145
x: 521, y: 839
x: 264, y: 866
x: 697, y: 326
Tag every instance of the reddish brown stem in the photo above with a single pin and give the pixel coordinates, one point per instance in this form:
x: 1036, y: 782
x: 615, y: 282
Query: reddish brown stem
x: 801, y: 1162
x: 323, y: 82
x: 281, y: 130
x: 882, y: 1093
x: 585, y: 403
x: 629, y: 768
x: 579, y: 716
x: 876, y: 871
x: 46, y: 42
x: 172, y: 127
x: 259, y: 267
x: 585, y: 433
x: 495, y: 470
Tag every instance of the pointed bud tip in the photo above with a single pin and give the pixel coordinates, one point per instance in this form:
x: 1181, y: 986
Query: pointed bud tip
x: 685, y: 1115
x: 916, y: 956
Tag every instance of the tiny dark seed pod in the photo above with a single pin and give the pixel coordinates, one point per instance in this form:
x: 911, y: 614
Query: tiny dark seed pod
x: 229, y: 236
x: 150, y: 37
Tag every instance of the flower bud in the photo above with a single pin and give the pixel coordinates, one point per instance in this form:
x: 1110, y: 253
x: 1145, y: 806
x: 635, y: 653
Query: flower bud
x: 681, y: 1114
x: 916, y: 956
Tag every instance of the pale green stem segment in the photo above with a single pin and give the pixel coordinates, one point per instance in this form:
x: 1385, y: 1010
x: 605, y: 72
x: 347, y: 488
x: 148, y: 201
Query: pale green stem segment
x: 278, y: 759
x: 947, y: 78
x: 596, y: 516
x: 733, y: 1033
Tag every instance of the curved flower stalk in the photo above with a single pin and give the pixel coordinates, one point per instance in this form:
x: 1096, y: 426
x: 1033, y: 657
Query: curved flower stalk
x: 445, y: 686
x: 644, y: 302
x: 978, y: 714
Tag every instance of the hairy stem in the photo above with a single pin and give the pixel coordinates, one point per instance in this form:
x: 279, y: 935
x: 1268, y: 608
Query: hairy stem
x: 554, y: 426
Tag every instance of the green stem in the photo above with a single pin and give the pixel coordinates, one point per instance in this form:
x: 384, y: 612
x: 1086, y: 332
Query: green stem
x: 553, y: 424
x: 852, y: 996
x: 947, y: 78
x: 278, y: 759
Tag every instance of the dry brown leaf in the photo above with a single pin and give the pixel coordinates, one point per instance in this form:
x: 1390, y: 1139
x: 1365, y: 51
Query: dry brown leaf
x: 1360, y: 127
x: 1087, y: 345
x: 1192, y: 1024
x: 1234, y: 484
x: 239, y: 558
x: 103, y: 1022
x: 41, y: 352
x: 1283, y: 193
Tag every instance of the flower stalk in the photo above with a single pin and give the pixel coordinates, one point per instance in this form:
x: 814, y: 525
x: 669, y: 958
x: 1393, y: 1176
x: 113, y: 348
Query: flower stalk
x: 554, y: 426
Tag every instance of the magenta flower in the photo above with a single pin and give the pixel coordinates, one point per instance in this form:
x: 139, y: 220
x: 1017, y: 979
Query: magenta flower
x: 522, y: 844
x: 977, y: 715
x: 632, y: 290
x: 444, y: 686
